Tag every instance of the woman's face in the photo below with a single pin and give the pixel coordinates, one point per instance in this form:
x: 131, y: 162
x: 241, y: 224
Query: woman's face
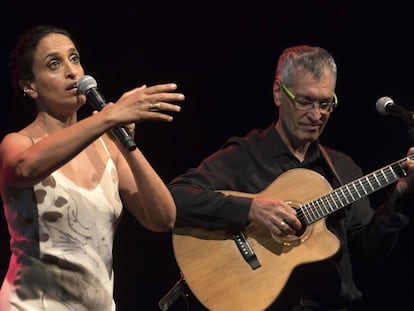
x: 56, y: 68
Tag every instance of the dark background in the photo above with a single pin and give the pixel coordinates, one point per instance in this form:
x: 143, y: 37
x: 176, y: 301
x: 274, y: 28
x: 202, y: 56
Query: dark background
x: 222, y: 55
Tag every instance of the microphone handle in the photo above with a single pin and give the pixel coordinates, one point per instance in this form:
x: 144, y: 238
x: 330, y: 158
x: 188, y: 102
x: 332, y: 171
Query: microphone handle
x: 121, y: 133
x: 124, y: 137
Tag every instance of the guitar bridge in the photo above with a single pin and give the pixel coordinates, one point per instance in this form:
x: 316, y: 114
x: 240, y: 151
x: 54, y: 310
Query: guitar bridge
x: 246, y: 250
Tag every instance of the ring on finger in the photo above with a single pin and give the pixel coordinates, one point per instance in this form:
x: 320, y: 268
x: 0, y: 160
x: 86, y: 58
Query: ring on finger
x: 154, y: 107
x: 282, y: 223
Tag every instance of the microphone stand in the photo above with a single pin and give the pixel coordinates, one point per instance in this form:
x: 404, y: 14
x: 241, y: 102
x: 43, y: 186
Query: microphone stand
x: 411, y: 134
x: 180, y: 289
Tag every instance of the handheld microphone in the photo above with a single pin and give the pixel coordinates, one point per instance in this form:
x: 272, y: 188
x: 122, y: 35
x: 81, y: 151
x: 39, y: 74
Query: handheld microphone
x: 87, y: 85
x: 386, y: 106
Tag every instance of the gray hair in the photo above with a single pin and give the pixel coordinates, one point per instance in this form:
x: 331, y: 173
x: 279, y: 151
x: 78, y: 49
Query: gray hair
x: 310, y: 58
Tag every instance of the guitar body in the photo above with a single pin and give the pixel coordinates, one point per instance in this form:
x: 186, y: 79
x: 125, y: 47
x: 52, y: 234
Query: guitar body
x: 220, y: 277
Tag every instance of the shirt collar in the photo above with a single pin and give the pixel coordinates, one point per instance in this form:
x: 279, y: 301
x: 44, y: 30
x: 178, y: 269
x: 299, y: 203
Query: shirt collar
x: 277, y: 147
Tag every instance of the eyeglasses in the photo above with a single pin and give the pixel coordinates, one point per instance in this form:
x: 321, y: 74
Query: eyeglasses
x: 306, y: 104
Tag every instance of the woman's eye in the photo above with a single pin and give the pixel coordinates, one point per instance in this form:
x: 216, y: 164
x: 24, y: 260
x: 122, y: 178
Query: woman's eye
x: 53, y: 64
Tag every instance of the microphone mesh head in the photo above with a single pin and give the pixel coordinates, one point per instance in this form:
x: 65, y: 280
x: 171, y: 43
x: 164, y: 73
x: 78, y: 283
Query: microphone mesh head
x: 382, y: 104
x: 86, y: 83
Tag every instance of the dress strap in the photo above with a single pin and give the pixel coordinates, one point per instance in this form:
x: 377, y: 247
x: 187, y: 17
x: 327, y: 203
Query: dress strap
x: 105, y: 147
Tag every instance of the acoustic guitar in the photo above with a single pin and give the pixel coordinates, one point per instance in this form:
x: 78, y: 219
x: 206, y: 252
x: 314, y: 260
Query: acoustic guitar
x: 248, y: 270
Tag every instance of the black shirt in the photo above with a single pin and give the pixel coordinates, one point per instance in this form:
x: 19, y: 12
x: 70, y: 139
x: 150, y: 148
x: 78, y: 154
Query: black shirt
x: 248, y: 165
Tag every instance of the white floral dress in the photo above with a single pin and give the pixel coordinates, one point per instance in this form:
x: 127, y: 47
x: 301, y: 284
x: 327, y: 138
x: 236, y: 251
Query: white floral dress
x: 61, y: 243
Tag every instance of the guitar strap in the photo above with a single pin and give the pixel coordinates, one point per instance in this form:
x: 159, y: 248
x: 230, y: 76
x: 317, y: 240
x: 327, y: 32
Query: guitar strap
x: 328, y: 160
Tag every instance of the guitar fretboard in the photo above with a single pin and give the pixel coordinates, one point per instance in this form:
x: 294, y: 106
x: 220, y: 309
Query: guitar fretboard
x: 314, y: 210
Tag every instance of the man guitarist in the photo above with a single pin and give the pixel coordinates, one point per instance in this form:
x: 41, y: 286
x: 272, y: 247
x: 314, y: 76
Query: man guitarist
x: 272, y: 236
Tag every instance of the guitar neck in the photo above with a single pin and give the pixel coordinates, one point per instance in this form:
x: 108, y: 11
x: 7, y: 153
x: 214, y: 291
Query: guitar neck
x: 318, y: 208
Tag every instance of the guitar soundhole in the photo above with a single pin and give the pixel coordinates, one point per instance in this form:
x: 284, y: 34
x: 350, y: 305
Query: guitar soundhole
x: 301, y: 231
x: 295, y: 239
x: 299, y: 237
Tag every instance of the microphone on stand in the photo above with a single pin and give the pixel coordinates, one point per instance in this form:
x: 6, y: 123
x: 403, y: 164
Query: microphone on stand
x: 87, y: 85
x: 386, y: 106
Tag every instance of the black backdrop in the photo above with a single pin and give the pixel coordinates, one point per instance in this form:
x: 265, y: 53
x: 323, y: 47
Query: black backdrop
x: 222, y: 56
